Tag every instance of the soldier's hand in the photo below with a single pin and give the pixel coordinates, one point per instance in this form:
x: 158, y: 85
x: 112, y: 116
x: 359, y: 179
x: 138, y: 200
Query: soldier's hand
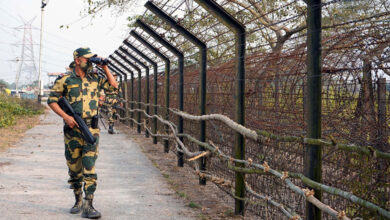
x: 70, y: 121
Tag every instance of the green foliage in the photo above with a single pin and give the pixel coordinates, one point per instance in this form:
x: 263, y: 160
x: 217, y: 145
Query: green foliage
x: 11, y: 108
x: 94, y: 7
x: 181, y: 194
x: 132, y: 19
x: 4, y: 84
x: 261, y: 157
x: 193, y: 205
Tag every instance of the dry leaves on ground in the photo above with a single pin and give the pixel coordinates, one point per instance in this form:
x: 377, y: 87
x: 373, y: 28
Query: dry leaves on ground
x: 12, y: 134
x: 206, y: 202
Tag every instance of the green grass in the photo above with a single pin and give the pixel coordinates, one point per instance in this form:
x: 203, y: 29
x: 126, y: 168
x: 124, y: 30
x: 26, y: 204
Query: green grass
x: 12, y: 108
x: 193, y: 205
x: 181, y: 194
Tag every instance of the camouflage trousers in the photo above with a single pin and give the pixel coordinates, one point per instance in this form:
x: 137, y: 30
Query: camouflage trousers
x: 111, y: 111
x: 80, y: 158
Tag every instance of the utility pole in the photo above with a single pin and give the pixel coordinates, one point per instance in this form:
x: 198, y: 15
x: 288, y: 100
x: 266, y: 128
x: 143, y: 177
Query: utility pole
x: 40, y: 86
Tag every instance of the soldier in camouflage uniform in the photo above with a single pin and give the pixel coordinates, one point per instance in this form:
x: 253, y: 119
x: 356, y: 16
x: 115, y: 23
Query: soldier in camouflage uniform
x: 81, y: 88
x: 69, y: 71
x: 111, y: 101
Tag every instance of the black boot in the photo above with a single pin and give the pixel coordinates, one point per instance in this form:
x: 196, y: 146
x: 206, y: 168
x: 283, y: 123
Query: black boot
x: 78, y: 204
x: 88, y: 210
x: 111, y: 129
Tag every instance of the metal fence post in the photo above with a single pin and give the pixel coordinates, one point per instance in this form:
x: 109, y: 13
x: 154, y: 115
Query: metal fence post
x: 121, y: 112
x: 203, y: 68
x: 180, y: 58
x: 125, y: 91
x: 139, y: 87
x: 313, y: 153
x: 382, y: 137
x: 382, y: 134
x: 167, y: 73
x: 131, y: 85
x: 125, y: 96
x: 123, y: 50
x: 154, y: 64
x: 239, y: 146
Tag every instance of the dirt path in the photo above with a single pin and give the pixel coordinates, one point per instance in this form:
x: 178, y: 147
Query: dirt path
x: 33, y: 179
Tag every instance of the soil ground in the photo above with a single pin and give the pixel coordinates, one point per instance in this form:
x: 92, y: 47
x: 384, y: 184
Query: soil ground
x: 12, y: 134
x: 208, y: 201
x: 33, y: 177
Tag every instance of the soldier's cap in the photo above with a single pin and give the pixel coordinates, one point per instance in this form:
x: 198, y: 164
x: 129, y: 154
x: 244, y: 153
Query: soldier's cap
x: 72, y: 65
x: 83, y: 52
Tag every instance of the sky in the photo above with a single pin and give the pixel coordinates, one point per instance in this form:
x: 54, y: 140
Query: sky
x: 103, y: 34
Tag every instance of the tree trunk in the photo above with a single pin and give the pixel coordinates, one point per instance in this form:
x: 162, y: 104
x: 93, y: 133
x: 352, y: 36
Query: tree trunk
x: 365, y: 110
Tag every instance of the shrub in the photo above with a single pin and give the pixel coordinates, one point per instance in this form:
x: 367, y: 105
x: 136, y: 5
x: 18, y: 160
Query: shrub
x: 11, y: 108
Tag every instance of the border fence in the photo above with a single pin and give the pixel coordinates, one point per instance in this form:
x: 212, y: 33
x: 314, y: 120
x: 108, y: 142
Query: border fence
x: 282, y: 104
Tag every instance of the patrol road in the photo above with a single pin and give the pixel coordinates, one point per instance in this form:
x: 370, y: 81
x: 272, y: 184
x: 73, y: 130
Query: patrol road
x: 33, y: 179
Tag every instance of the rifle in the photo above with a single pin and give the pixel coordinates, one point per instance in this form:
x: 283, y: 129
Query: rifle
x: 67, y: 108
x: 101, y: 119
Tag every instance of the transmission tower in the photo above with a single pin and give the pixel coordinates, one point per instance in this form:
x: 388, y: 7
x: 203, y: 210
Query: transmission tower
x: 27, y: 71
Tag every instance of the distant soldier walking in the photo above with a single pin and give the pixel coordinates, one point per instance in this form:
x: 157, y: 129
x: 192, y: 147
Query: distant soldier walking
x: 112, y: 100
x: 81, y: 88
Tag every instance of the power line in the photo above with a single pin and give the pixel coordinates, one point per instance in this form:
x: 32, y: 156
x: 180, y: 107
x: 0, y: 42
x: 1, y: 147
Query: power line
x: 6, y: 31
x: 66, y: 39
x: 10, y: 15
x: 6, y: 26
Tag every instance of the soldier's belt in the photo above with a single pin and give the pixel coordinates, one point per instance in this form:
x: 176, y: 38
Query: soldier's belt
x: 88, y: 121
x: 92, y: 122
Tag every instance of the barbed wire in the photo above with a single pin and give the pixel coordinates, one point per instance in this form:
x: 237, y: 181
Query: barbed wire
x: 212, y: 149
x: 354, y: 56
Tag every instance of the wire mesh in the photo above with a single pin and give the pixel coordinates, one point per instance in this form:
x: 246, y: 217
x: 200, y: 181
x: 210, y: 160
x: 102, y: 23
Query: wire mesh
x: 355, y: 55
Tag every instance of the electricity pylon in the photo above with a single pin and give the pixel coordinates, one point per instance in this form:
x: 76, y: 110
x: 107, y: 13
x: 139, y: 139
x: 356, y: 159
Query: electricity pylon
x: 27, y: 67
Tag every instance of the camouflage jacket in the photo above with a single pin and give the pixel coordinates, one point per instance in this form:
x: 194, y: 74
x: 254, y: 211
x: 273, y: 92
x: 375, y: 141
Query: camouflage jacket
x: 113, y: 92
x: 82, y: 94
